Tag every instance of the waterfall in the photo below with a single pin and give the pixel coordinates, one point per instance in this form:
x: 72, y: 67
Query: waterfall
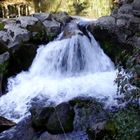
x: 70, y: 66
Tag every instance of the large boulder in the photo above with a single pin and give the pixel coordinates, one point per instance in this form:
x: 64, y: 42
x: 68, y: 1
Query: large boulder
x: 88, y: 113
x: 61, y: 120
x: 40, y: 117
x: 55, y: 120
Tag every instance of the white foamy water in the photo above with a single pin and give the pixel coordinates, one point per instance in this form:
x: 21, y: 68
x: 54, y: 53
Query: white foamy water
x: 61, y: 70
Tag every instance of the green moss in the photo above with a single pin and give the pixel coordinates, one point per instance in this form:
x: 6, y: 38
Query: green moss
x: 137, y: 34
x: 51, y: 36
x: 118, y: 54
x: 1, y: 26
x: 38, y: 33
x: 3, y: 67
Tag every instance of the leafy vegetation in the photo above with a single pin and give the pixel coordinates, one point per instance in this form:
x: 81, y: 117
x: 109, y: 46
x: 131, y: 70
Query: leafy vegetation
x: 94, y: 8
x: 1, y: 26
x: 128, y: 80
x: 124, y: 125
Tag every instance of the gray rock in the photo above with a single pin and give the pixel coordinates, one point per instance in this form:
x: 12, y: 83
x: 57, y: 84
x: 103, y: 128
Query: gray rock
x: 121, y: 22
x: 52, y: 28
x: 88, y: 112
x: 125, y: 9
x: 61, y: 119
x: 124, y: 16
x: 136, y: 13
x: 48, y: 136
x: 14, y: 34
x: 22, y: 131
x: 4, y: 37
x: 5, y: 124
x: 62, y: 17
x: 136, y: 5
x: 106, y: 21
x: 4, y: 57
x: 42, y: 16
x: 3, y: 46
x: 26, y: 21
x: 40, y: 117
x: 80, y: 135
x: 136, y: 41
x: 135, y: 20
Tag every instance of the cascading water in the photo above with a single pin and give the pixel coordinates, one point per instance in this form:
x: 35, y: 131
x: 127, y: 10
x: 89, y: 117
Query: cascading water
x: 73, y: 65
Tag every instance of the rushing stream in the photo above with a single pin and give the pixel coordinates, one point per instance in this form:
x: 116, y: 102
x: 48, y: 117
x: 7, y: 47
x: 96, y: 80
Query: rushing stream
x: 65, y: 68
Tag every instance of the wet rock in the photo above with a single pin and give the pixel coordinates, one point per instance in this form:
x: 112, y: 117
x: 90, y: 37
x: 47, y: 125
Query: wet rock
x: 40, y: 117
x: 21, y: 58
x: 61, y: 120
x: 5, y: 124
x: 71, y: 29
x: 3, y: 68
x: 85, y: 120
x: 49, y: 136
x: 52, y: 28
x: 88, y: 112
x: 80, y: 135
x: 22, y: 131
x: 55, y: 120
x: 106, y: 21
x: 62, y: 17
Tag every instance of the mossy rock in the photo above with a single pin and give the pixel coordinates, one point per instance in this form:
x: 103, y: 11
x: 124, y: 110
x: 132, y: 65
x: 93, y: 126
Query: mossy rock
x: 118, y: 54
x: 137, y: 34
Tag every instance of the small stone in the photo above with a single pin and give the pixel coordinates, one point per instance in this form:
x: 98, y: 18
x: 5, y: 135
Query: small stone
x: 5, y: 124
